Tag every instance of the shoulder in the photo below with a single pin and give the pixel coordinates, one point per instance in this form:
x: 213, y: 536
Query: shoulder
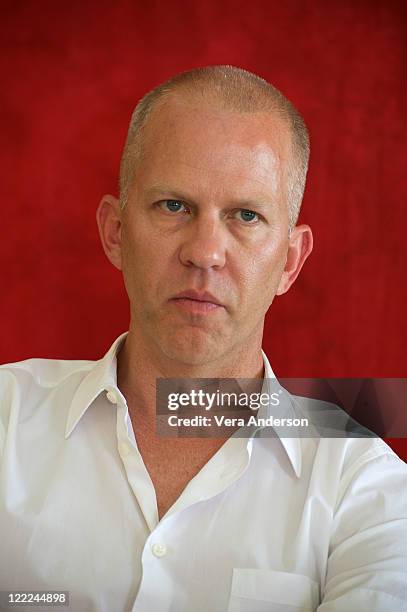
x: 341, y: 445
x: 42, y: 372
x: 25, y: 385
x: 355, y: 470
x: 366, y: 461
x: 373, y: 470
x: 369, y: 484
x: 354, y: 452
x: 357, y: 453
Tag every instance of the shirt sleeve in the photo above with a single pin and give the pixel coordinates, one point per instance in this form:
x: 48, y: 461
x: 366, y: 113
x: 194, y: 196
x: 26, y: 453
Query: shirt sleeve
x: 367, y: 564
x: 2, y: 415
x: 7, y: 389
x: 2, y: 437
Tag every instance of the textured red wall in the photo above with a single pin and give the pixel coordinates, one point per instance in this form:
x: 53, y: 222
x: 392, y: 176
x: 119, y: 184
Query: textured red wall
x: 71, y: 74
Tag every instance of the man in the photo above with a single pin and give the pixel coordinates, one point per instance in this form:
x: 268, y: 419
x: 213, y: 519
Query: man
x: 92, y: 500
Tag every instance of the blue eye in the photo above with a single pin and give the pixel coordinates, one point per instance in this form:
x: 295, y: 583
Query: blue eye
x: 173, y: 205
x: 248, y: 215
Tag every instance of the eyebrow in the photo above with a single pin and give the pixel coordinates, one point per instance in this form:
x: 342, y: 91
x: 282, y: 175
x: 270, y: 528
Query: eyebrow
x: 167, y: 190
x: 172, y: 192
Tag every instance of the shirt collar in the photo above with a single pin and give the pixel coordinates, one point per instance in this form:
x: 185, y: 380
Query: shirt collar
x: 102, y: 376
x: 291, y: 445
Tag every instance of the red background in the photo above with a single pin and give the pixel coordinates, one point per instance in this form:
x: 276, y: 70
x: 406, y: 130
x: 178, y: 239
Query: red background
x: 71, y: 75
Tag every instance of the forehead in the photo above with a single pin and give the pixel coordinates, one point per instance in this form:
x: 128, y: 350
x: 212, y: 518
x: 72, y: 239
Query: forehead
x: 188, y: 139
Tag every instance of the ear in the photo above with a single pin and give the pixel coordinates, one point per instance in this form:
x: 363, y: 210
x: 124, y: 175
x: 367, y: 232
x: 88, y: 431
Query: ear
x: 108, y: 217
x: 300, y: 246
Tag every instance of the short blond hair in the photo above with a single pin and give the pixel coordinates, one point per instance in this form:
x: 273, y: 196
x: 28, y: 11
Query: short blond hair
x: 234, y: 89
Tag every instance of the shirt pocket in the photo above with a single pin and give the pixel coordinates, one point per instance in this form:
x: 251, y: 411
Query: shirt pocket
x: 255, y: 590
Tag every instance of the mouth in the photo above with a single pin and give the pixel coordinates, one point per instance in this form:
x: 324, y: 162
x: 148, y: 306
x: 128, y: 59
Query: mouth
x: 197, y: 303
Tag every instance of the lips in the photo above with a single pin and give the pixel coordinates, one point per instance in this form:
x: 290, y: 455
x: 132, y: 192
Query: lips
x: 196, y: 303
x: 192, y: 294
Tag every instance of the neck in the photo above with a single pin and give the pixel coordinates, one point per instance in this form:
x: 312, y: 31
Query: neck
x: 139, y: 365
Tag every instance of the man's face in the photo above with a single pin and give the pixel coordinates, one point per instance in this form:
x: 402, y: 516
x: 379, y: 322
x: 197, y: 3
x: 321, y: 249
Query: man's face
x: 207, y: 213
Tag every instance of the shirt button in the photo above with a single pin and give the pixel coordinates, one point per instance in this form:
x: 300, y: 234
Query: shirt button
x: 159, y: 550
x: 111, y: 396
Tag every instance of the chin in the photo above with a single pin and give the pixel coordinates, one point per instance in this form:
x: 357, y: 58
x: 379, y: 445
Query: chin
x: 194, y: 347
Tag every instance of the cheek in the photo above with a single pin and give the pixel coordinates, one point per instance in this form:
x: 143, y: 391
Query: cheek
x: 136, y: 258
x: 261, y: 272
x: 145, y: 259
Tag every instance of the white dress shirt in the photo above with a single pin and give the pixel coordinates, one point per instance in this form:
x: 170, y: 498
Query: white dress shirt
x: 268, y: 524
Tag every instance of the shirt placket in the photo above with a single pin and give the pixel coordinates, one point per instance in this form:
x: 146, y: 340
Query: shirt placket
x: 161, y: 564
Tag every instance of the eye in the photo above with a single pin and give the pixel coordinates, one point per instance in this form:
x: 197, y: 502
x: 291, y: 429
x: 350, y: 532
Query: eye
x: 248, y: 216
x: 172, y: 206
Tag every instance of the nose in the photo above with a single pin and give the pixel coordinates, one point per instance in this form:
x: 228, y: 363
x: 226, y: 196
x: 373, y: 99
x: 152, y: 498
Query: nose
x: 204, y: 245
